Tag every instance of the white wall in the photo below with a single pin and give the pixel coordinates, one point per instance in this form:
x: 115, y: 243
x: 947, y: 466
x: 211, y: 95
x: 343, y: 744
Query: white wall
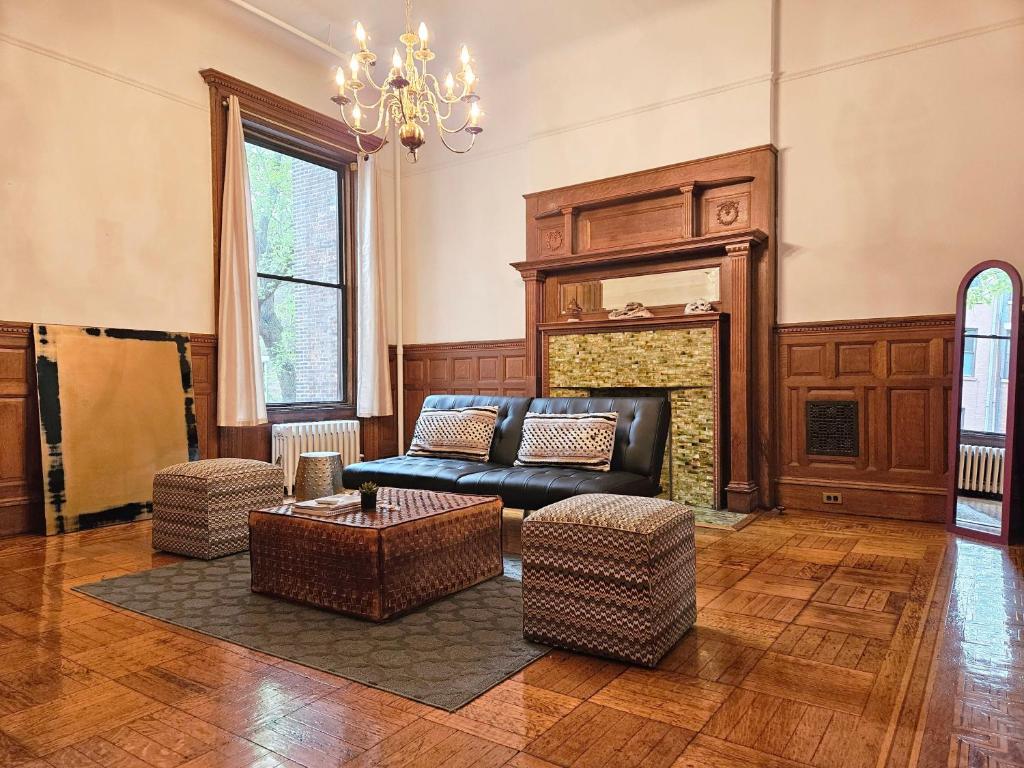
x: 105, y: 200
x: 631, y: 96
x: 897, y: 123
x: 900, y: 158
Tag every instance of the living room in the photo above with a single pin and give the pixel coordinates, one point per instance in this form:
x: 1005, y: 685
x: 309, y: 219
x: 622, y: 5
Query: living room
x: 533, y: 384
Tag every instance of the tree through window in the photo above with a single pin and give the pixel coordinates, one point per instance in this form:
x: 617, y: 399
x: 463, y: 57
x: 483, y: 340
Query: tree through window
x: 297, y: 221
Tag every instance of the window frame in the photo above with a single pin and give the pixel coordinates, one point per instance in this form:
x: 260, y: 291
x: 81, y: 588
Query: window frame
x: 971, y: 335
x: 312, y: 131
x: 258, y: 135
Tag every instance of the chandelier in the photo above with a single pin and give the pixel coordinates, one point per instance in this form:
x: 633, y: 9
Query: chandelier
x: 410, y: 97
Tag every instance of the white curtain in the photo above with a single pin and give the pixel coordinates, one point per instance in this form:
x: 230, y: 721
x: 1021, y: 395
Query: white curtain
x: 240, y: 399
x: 373, y: 388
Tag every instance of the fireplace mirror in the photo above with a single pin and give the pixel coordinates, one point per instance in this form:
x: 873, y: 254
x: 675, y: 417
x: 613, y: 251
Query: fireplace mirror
x: 652, y: 290
x: 982, y: 497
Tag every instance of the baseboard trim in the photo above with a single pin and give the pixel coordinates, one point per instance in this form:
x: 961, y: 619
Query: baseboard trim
x: 899, y: 502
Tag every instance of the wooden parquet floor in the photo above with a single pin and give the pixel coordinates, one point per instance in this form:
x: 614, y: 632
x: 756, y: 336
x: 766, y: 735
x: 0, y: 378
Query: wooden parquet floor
x: 821, y: 641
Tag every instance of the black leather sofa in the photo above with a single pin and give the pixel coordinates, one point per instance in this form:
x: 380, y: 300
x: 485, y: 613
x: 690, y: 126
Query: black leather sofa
x: 636, y: 462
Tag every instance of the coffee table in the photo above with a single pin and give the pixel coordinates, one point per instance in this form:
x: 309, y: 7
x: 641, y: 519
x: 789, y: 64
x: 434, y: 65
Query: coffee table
x: 416, y: 547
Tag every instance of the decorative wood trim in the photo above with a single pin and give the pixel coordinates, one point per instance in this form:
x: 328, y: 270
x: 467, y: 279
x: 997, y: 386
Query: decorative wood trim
x: 632, y: 254
x: 444, y: 346
x: 868, y: 324
x: 652, y: 181
x: 639, y: 239
x: 264, y: 106
x: 630, y: 323
x: 741, y: 491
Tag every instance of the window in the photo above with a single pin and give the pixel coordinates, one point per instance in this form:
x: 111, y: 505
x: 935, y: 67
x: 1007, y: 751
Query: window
x: 299, y: 231
x: 970, y: 351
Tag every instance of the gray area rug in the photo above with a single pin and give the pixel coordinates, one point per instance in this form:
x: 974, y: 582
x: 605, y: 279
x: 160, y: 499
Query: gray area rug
x: 444, y: 654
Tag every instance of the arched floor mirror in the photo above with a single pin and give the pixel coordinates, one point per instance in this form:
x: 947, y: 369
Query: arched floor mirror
x: 984, y: 482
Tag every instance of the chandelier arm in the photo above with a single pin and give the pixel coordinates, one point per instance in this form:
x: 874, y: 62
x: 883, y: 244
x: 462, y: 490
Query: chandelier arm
x: 450, y: 148
x: 432, y: 100
x: 460, y: 129
x: 442, y: 98
x: 362, y: 131
x: 364, y: 151
x: 375, y: 105
x: 369, y: 77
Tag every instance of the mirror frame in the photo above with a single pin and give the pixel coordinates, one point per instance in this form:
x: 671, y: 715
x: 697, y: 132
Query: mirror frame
x: 1011, y: 484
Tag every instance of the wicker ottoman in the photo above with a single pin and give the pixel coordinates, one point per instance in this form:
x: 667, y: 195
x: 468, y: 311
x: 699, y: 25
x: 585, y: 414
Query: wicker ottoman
x: 415, y: 547
x: 201, y: 508
x: 610, y: 575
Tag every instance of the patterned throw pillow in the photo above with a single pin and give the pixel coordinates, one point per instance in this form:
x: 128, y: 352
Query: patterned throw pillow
x: 580, y: 440
x: 455, y: 433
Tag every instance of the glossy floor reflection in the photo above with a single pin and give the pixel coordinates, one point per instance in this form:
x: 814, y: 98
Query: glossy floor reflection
x: 822, y: 640
x: 976, y: 705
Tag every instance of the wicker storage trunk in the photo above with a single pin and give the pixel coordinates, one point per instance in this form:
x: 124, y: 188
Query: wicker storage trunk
x: 416, y: 547
x: 610, y: 575
x: 201, y: 508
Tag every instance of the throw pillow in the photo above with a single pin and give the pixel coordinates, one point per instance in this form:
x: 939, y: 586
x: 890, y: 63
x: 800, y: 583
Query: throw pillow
x: 580, y: 440
x: 455, y: 433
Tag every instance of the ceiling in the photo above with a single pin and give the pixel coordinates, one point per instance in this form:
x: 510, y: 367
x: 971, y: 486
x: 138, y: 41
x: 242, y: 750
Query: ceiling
x: 496, y: 32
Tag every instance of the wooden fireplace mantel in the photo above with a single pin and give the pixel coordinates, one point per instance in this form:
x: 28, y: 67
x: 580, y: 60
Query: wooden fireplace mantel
x: 713, y: 212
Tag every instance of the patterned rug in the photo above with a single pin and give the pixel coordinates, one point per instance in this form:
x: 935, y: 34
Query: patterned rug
x: 445, y: 654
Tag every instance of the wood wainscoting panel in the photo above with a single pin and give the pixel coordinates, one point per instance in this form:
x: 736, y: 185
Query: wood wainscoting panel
x: 204, y: 386
x: 462, y: 368
x: 897, y: 371
x: 20, y: 474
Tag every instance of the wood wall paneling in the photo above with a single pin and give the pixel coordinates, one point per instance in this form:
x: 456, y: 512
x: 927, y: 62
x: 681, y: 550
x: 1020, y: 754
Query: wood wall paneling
x: 899, y: 373
x: 20, y: 474
x: 380, y: 434
x: 464, y: 368
x: 204, y: 385
x: 898, y: 370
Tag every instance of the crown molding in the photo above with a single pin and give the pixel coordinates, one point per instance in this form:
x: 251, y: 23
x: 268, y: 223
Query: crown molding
x: 869, y: 324
x: 15, y: 329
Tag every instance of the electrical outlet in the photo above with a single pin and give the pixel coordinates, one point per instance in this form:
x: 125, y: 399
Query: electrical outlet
x: 832, y: 498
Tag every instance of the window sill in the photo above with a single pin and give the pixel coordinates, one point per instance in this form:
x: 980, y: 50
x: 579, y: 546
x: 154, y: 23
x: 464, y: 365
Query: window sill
x: 277, y: 414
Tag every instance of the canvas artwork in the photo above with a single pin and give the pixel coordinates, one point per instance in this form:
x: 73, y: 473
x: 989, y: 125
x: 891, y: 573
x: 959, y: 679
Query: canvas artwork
x: 115, y: 406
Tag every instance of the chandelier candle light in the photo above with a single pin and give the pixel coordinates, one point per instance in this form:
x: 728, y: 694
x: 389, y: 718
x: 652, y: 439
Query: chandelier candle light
x: 410, y: 97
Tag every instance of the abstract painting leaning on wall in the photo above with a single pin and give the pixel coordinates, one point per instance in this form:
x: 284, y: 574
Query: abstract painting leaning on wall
x: 115, y: 406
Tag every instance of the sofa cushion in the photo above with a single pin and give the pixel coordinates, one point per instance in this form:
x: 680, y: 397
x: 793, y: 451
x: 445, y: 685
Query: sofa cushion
x: 581, y: 440
x: 412, y: 472
x: 455, y: 433
x: 639, y: 434
x: 507, y: 431
x: 536, y: 487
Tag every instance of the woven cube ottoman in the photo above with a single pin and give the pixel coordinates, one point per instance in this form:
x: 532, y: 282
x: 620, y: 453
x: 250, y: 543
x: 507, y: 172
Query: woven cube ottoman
x: 610, y: 575
x: 201, y: 508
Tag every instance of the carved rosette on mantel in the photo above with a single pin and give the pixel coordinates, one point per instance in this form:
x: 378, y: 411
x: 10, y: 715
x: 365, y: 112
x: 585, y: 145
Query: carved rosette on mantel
x: 716, y: 215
